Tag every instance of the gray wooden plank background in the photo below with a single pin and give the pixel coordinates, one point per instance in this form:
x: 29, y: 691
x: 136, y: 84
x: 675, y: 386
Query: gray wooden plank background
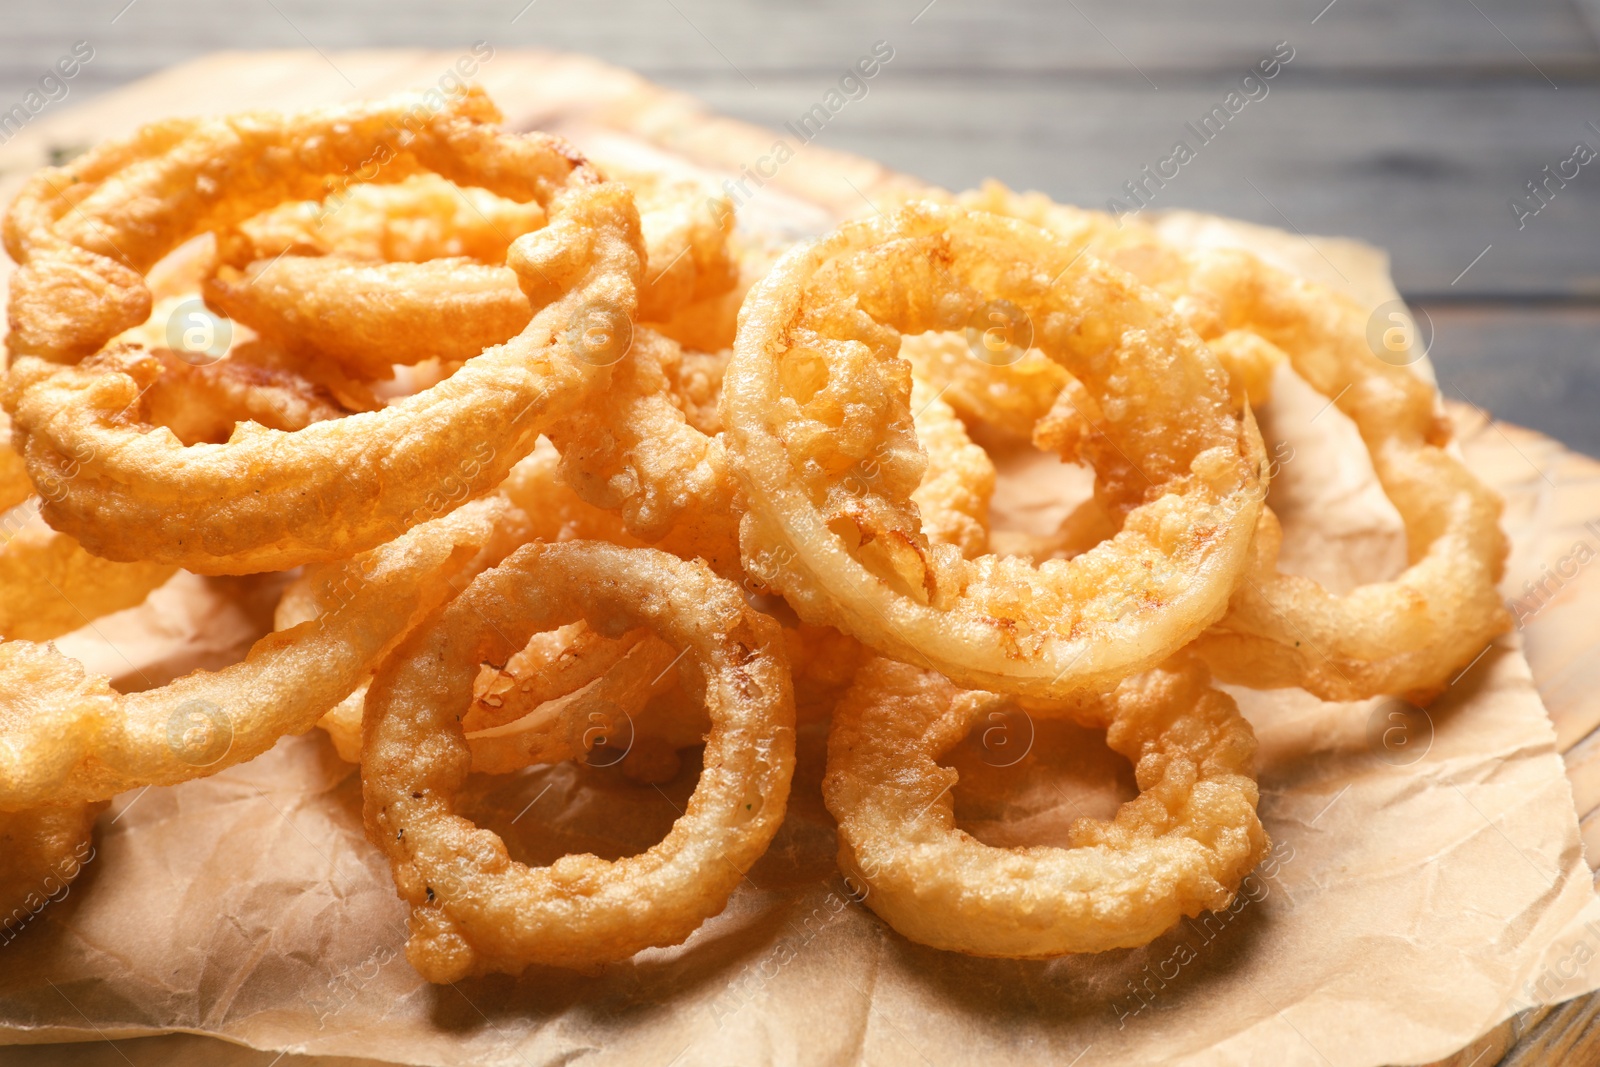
x: 1411, y: 125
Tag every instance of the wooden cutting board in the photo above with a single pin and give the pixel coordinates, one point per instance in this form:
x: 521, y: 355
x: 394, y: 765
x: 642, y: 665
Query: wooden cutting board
x: 1552, y: 495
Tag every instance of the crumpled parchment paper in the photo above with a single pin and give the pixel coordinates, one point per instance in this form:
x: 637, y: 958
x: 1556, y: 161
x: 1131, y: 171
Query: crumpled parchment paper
x: 1426, y: 879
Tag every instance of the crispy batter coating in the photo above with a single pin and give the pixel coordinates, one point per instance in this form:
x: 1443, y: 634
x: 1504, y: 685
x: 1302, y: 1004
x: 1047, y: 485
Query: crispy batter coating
x: 1406, y: 636
x: 367, y: 312
x: 474, y: 910
x: 686, y: 228
x: 1248, y: 356
x: 1180, y: 848
x: 636, y: 449
x: 272, y: 499
x: 816, y: 407
x: 366, y: 317
x: 67, y: 736
x: 50, y: 586
x: 631, y: 449
x: 1009, y: 397
x: 1012, y: 396
x: 423, y: 217
x: 41, y: 851
x: 15, y: 485
x: 953, y: 496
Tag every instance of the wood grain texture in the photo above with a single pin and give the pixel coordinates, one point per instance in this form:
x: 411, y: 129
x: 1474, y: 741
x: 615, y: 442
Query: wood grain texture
x: 701, y: 39
x: 1527, y: 364
x: 1411, y: 124
x: 1551, y: 493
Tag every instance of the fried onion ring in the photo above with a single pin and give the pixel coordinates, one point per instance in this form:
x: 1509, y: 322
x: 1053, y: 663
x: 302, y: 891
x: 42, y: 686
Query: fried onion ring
x: 68, y: 736
x: 368, y: 315
x: 423, y: 217
x: 474, y: 910
x: 15, y: 485
x: 41, y: 851
x: 541, y: 507
x: 1180, y: 848
x: 272, y: 499
x: 634, y: 449
x: 815, y: 393
x: 1406, y: 636
x: 50, y: 586
x: 350, y: 278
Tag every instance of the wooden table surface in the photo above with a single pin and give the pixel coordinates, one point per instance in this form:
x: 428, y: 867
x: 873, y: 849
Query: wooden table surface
x: 1436, y: 122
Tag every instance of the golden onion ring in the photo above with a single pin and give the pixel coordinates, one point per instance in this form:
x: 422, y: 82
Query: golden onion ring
x: 369, y: 315
x: 41, y: 851
x: 1406, y: 636
x: 270, y: 499
x: 816, y: 409
x: 533, y: 503
x: 423, y: 217
x: 1180, y: 848
x: 474, y: 910
x: 68, y: 736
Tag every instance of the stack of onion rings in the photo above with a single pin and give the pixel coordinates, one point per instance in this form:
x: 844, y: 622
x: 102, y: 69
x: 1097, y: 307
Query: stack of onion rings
x: 484, y: 398
x: 83, y: 234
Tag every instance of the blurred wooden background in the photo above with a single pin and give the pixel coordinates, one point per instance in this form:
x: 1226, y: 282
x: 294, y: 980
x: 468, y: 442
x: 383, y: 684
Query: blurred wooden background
x: 1411, y: 125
